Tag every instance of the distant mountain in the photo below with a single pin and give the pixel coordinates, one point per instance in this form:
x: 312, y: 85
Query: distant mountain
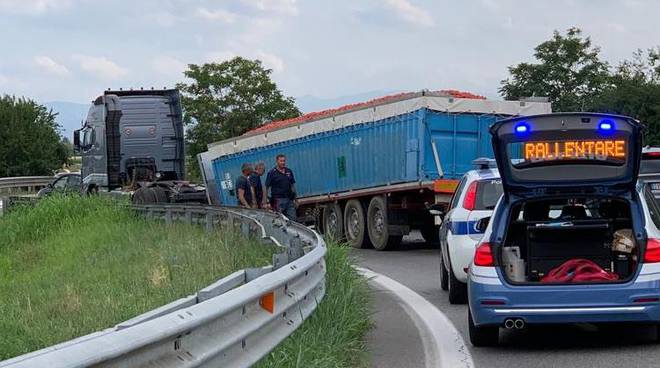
x: 69, y: 115
x: 309, y: 103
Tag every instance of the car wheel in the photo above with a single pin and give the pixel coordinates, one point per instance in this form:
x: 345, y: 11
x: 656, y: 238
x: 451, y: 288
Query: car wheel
x: 457, y: 289
x: 377, y: 225
x: 333, y: 224
x: 444, y: 275
x: 355, y: 225
x: 482, y: 335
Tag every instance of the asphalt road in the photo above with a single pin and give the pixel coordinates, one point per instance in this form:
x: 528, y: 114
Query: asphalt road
x: 416, y: 266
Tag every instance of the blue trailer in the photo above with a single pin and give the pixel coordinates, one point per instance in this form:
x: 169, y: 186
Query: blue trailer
x: 370, y: 175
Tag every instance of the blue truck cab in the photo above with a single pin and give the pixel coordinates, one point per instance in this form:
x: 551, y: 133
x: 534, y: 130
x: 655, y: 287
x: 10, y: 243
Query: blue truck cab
x: 570, y: 198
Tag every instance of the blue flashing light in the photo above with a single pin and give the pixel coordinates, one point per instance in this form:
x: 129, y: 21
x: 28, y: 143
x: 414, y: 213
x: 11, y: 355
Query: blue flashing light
x: 521, y: 128
x: 606, y: 126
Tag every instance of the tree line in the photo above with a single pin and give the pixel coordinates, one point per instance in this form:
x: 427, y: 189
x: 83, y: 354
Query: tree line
x: 227, y: 99
x: 570, y: 72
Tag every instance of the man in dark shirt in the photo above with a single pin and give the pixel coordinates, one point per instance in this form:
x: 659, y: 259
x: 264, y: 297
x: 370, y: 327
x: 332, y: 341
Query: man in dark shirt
x: 244, y: 189
x: 282, y: 187
x: 255, y: 180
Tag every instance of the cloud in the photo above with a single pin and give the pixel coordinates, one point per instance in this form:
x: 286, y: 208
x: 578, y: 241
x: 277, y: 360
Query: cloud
x: 32, y: 7
x: 287, y: 7
x: 100, y: 67
x: 219, y: 56
x: 51, y: 66
x: 216, y: 15
x: 411, y: 13
x: 271, y: 61
x: 168, y: 65
x: 3, y: 80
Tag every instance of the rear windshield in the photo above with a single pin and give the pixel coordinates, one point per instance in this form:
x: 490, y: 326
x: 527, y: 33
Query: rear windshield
x: 488, y: 193
x: 650, y: 165
x: 652, y: 204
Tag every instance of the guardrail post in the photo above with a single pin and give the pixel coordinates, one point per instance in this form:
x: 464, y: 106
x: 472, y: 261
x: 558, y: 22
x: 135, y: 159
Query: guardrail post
x: 209, y: 222
x: 168, y: 217
x: 188, y: 217
x: 295, y: 249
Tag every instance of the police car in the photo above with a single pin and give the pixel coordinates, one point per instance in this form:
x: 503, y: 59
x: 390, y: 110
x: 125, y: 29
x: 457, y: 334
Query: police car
x: 475, y: 197
x: 649, y: 169
x: 573, y: 239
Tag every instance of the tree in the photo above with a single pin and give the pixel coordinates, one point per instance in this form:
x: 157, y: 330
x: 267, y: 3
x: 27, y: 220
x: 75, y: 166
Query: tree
x: 31, y: 144
x: 569, y: 72
x: 223, y: 100
x: 634, y: 90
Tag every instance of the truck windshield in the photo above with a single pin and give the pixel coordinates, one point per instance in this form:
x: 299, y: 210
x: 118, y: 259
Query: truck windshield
x: 488, y: 193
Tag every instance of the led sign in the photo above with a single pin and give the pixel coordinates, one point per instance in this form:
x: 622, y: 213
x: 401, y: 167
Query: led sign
x: 602, y: 150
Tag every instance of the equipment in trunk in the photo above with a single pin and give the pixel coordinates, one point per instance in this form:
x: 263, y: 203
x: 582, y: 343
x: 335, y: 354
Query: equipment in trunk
x: 546, y: 235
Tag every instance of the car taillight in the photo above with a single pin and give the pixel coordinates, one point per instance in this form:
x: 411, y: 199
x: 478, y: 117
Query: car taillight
x: 483, y: 256
x: 470, y: 197
x: 652, y: 254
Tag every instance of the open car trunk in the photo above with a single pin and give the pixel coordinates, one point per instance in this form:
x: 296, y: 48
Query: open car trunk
x: 544, y: 235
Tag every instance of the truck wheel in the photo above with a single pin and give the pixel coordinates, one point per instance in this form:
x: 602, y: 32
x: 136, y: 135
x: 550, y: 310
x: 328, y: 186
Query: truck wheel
x: 444, y: 275
x: 333, y: 224
x: 355, y: 225
x: 161, y: 195
x: 457, y: 289
x: 431, y: 233
x: 144, y: 196
x: 484, y: 335
x: 377, y: 225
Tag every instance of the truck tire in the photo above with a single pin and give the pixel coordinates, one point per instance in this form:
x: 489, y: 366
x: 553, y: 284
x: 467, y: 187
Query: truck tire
x: 430, y: 233
x: 333, y: 222
x: 160, y: 194
x: 355, y: 225
x: 483, y: 335
x: 377, y: 224
x: 144, y: 196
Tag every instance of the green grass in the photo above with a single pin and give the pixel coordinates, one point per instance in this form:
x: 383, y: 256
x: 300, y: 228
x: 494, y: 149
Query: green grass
x: 71, y: 266
x: 334, y: 335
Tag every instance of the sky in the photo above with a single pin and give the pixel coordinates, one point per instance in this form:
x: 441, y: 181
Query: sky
x: 72, y: 50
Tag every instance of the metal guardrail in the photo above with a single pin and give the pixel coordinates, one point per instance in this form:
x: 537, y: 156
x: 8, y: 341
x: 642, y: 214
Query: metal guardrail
x: 29, y: 184
x: 233, y: 322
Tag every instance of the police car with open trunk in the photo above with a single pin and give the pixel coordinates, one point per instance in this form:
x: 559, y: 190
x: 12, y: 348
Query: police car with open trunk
x: 572, y: 239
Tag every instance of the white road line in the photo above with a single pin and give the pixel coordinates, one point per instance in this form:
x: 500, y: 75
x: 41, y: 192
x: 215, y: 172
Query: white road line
x: 443, y: 344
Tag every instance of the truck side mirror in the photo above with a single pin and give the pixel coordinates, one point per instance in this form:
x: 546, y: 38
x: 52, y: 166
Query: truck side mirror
x: 482, y: 224
x: 437, y: 210
x: 76, y: 141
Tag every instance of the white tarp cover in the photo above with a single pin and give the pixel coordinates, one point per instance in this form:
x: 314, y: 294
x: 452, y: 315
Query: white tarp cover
x: 370, y: 114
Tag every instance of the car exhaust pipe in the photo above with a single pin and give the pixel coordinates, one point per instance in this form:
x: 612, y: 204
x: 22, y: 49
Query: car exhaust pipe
x: 519, y: 324
x: 509, y: 323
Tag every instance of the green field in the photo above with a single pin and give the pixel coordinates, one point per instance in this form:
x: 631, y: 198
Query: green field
x: 72, y: 266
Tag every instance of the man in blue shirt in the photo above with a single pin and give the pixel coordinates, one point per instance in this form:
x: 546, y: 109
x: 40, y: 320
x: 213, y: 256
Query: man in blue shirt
x: 255, y: 180
x: 282, y: 187
x: 244, y: 190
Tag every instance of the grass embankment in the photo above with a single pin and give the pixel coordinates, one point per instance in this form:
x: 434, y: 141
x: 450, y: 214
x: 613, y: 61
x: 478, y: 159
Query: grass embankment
x: 334, y: 335
x: 71, y: 266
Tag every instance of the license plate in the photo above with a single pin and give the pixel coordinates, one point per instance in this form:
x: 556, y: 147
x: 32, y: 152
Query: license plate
x: 655, y: 186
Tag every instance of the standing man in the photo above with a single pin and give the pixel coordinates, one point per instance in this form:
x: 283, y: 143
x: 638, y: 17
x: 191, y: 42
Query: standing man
x: 282, y: 187
x: 260, y: 196
x: 243, y: 187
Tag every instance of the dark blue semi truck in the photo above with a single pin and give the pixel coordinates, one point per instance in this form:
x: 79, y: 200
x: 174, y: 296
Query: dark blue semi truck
x: 132, y: 143
x: 370, y: 173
